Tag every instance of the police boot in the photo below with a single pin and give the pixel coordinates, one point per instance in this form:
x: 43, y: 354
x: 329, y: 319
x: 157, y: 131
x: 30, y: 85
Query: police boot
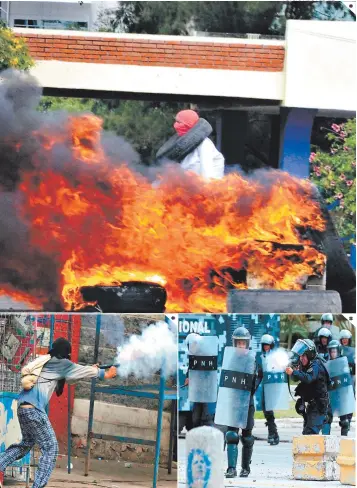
x: 273, y: 436
x: 345, y: 426
x: 232, y: 439
x: 247, y: 452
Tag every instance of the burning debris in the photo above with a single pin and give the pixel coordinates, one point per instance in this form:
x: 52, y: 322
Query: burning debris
x: 77, y: 213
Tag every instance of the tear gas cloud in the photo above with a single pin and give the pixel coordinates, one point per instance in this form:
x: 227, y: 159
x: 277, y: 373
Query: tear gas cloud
x: 278, y: 360
x: 143, y: 355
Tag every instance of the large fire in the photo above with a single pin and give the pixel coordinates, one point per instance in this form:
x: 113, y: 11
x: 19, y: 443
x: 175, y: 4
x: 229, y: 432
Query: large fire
x: 104, y: 223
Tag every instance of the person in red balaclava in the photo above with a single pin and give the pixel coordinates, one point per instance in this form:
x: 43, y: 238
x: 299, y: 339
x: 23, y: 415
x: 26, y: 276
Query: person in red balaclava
x: 205, y: 160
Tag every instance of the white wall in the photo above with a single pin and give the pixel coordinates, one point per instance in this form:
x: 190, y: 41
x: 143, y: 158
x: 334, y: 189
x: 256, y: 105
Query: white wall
x: 156, y: 79
x: 320, y: 65
x: 66, y: 11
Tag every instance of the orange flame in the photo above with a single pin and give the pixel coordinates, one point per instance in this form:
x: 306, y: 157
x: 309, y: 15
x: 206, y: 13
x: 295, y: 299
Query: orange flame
x: 112, y: 225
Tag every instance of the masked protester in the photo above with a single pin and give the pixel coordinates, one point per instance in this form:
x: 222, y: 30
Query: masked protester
x: 34, y: 423
x: 235, y: 403
x: 324, y: 337
x: 192, y: 148
x: 310, y: 370
x: 267, y: 343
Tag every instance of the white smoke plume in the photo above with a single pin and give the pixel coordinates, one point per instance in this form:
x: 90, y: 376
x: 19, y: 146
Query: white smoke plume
x: 143, y: 355
x: 278, y: 360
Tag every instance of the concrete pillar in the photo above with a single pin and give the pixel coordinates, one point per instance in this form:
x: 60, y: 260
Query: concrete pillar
x: 234, y: 131
x: 205, y: 458
x: 274, y: 141
x: 347, y: 462
x: 295, y: 135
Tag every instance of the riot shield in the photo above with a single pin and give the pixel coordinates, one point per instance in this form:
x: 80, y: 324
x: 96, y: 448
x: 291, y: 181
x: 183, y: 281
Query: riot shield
x: 202, y: 370
x: 340, y: 389
x: 235, y: 387
x: 350, y: 354
x: 275, y: 388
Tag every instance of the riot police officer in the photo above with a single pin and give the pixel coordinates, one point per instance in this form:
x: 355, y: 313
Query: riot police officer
x: 326, y: 322
x: 347, y: 350
x: 341, y: 395
x: 201, y: 377
x: 324, y: 337
x: 334, y: 351
x: 267, y: 343
x: 246, y: 375
x: 309, y: 369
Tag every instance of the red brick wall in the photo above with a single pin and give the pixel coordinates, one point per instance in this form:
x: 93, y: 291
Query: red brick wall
x: 144, y: 52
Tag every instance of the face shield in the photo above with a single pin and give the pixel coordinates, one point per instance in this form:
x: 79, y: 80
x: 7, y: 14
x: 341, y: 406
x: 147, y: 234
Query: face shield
x: 299, y: 348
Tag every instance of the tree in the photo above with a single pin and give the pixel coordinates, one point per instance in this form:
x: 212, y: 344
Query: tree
x: 14, y: 52
x: 146, y: 125
x: 294, y: 325
x: 148, y: 18
x: 235, y: 17
x: 334, y: 172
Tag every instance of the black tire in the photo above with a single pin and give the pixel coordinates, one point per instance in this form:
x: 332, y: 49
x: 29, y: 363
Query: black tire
x: 129, y: 297
x: 279, y: 301
x: 178, y: 147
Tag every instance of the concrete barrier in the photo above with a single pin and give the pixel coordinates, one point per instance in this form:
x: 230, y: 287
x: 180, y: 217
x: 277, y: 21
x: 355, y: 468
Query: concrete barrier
x: 347, y: 462
x: 205, y: 458
x: 315, y: 457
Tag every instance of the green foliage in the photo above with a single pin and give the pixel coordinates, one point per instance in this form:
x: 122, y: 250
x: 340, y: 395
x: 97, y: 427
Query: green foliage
x: 235, y: 17
x: 149, y: 18
x: 293, y: 325
x: 14, y: 52
x: 334, y: 172
x: 66, y: 104
x: 146, y: 125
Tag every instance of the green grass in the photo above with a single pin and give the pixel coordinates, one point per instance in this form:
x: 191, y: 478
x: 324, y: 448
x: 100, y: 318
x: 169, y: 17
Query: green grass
x: 281, y: 414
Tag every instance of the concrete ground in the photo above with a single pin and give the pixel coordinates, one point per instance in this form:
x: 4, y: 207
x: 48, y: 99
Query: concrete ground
x: 271, y: 465
x: 105, y: 474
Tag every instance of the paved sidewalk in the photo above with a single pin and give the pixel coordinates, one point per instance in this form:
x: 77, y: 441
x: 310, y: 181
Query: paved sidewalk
x: 105, y: 474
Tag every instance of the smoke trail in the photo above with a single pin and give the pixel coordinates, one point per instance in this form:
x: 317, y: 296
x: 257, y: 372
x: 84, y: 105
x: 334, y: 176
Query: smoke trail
x: 145, y: 354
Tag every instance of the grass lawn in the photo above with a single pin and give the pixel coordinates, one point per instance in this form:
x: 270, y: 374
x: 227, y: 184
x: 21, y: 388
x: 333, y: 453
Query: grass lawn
x: 281, y: 414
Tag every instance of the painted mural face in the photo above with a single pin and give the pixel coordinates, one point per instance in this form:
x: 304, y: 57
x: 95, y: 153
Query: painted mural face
x: 198, y: 469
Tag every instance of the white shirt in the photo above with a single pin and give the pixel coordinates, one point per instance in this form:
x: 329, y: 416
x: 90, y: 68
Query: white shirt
x: 206, y: 161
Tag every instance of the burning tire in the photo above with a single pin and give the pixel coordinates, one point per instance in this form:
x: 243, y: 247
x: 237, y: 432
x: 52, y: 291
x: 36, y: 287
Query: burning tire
x: 279, y: 301
x: 129, y: 297
x: 178, y: 147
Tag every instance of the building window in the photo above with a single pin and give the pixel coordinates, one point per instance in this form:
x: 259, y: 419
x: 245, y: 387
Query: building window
x: 31, y: 24
x: 51, y: 24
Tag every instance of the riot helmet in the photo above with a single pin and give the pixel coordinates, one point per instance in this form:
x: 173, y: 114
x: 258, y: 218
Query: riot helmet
x: 241, y: 334
x: 334, y: 346
x: 324, y: 332
x: 326, y: 317
x: 345, y: 334
x: 267, y: 339
x: 301, y: 347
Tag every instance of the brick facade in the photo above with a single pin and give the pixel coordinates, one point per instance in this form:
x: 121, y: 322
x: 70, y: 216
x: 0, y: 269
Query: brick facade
x: 148, y: 52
